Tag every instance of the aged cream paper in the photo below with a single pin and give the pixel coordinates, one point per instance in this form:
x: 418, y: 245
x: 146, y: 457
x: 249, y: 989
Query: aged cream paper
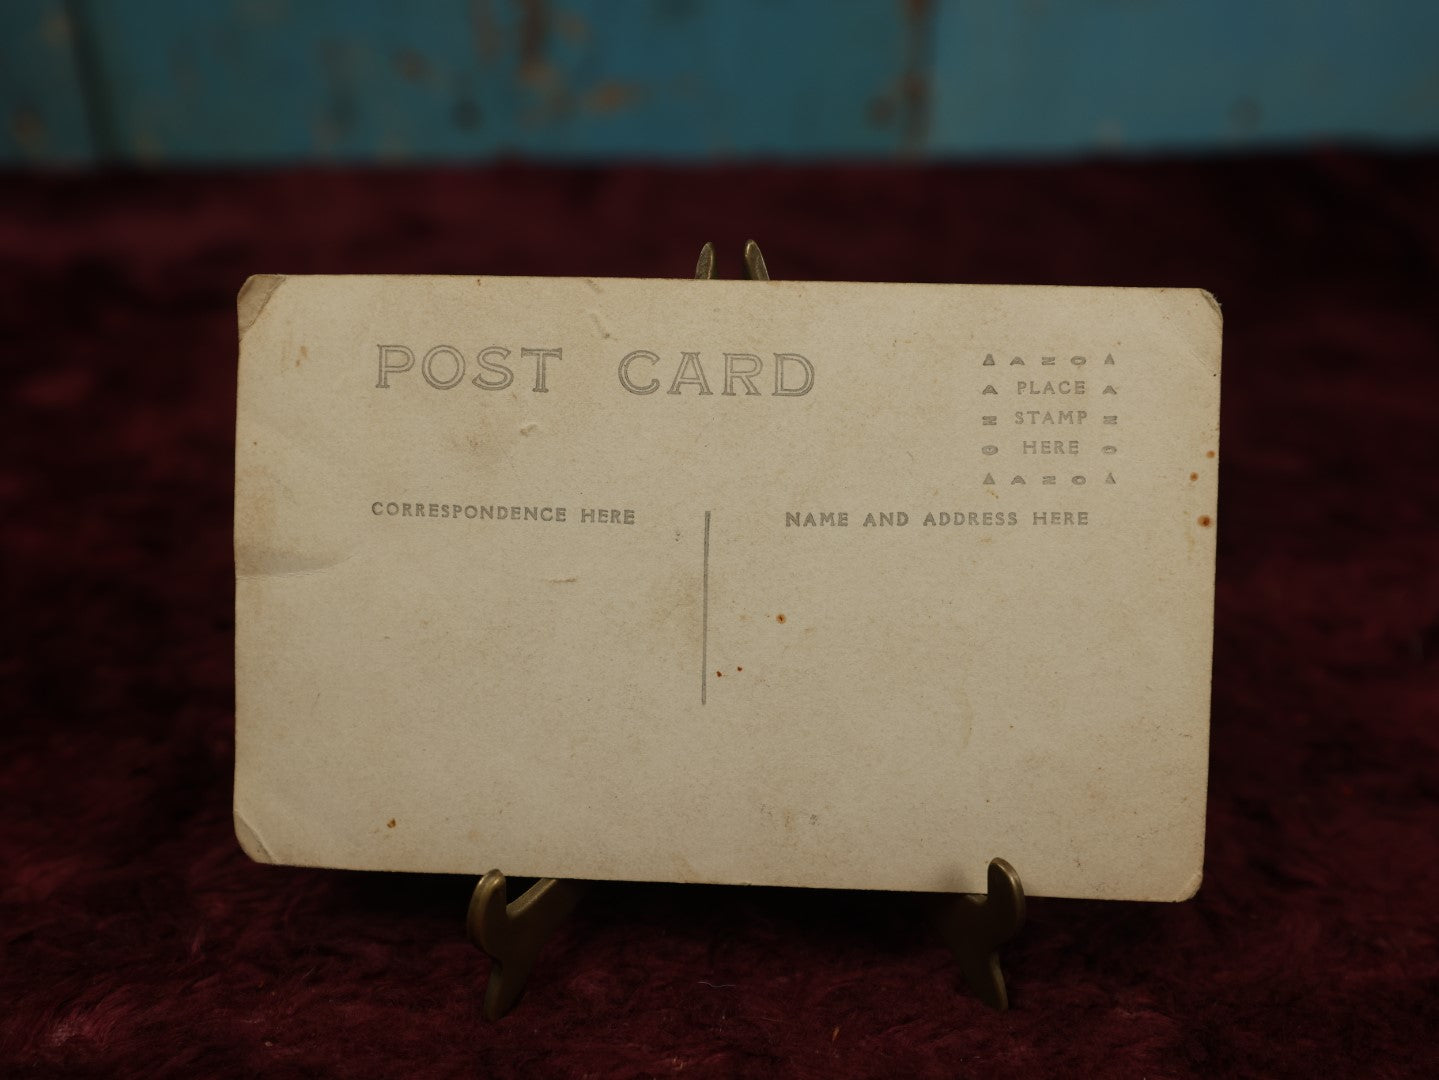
x: 788, y: 583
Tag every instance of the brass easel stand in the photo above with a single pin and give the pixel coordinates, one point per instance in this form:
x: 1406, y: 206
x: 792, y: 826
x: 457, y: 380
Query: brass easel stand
x: 512, y: 932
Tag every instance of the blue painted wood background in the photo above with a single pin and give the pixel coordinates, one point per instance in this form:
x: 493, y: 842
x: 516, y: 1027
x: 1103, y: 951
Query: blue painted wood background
x: 200, y: 81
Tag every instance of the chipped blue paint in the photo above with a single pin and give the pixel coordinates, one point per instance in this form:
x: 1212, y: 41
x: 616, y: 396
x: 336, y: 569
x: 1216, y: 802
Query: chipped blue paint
x: 265, y: 80
x: 43, y: 114
x: 180, y: 81
x: 1058, y: 78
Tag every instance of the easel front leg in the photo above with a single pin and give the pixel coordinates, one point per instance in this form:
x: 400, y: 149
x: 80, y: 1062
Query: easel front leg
x: 975, y: 926
x: 512, y: 933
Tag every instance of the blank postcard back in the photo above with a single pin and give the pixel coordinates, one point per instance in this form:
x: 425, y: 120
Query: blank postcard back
x: 786, y: 583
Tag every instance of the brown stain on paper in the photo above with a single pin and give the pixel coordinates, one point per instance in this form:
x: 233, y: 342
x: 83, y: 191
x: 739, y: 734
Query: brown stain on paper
x: 255, y: 517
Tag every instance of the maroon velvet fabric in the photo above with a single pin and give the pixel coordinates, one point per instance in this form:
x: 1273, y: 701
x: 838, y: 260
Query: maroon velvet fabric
x: 137, y: 939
